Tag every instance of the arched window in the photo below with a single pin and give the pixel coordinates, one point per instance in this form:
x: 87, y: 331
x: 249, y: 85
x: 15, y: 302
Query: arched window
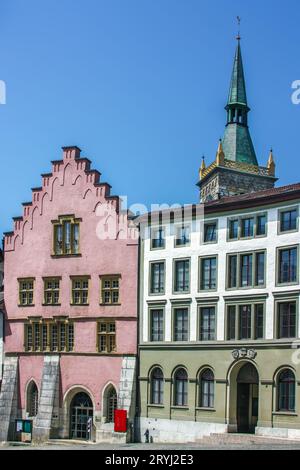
x: 207, y: 392
x: 286, y: 391
x: 111, y: 404
x: 181, y: 388
x: 157, y: 387
x: 32, y: 399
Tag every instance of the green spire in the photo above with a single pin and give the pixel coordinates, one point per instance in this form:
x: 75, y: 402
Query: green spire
x: 237, y: 92
x: 237, y: 142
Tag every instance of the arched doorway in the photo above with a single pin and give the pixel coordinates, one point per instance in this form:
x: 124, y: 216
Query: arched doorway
x: 247, y: 399
x: 81, y: 409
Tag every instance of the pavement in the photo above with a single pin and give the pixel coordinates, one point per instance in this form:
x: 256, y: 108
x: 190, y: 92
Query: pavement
x: 213, y: 442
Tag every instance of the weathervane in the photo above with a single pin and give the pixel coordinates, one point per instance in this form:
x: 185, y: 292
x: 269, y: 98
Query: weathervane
x: 239, y: 27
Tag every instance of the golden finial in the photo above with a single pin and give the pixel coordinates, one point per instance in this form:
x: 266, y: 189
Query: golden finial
x: 271, y: 164
x: 220, y: 158
x: 203, y: 167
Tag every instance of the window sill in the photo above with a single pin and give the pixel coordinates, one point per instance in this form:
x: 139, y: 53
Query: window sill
x: 26, y: 306
x: 155, y: 406
x: 75, y: 255
x: 102, y: 353
x: 183, y: 408
x: 213, y: 410
x: 283, y: 232
x: 284, y: 413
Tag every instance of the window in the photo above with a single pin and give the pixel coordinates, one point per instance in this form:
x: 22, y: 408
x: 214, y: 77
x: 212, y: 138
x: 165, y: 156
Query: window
x: 288, y: 220
x: 207, y: 323
x: 32, y: 400
x: 157, y: 387
x: 106, y: 336
x: 261, y: 225
x: 157, y: 278
x: 66, y: 236
x: 247, y: 227
x: 49, y: 336
x: 259, y: 321
x: 232, y: 268
x: 287, y: 265
x: 51, y: 291
x: 231, y: 327
x: 111, y: 404
x: 286, y: 391
x: 246, y: 270
x: 157, y: 238
x: 182, y: 276
x: 157, y: 325
x: 183, y: 234
x: 208, y: 273
x: 286, y: 322
x: 210, y: 232
x: 26, y: 287
x: 245, y: 322
x: 181, y: 388
x: 80, y: 290
x: 233, y: 229
x: 110, y: 286
x: 181, y: 324
x: 207, y: 382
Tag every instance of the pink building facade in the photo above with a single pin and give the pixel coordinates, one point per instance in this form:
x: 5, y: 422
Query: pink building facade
x: 71, y: 308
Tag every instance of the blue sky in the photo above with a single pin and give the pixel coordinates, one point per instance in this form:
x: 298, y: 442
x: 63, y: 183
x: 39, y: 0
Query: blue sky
x: 141, y: 87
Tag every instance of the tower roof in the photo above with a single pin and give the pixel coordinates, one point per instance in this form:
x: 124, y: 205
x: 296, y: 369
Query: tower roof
x: 237, y: 142
x: 237, y: 91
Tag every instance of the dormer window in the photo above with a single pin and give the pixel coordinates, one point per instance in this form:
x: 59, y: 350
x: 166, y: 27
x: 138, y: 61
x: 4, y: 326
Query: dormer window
x: 66, y: 236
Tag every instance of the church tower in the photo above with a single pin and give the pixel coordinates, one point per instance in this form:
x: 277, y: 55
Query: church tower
x: 235, y: 169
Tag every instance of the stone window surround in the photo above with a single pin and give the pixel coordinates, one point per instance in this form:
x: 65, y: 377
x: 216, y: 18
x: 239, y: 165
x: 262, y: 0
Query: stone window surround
x: 237, y: 304
x: 287, y: 209
x: 239, y: 254
x: 239, y: 218
x: 282, y: 248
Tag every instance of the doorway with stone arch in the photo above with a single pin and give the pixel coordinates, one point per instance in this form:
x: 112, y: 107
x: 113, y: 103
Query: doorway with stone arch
x: 81, y: 411
x: 243, y: 398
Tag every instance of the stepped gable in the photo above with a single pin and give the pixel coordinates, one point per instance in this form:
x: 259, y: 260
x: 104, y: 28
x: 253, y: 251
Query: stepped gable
x: 80, y: 170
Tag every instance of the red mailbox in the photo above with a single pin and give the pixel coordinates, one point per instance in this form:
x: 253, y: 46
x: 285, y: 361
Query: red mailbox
x: 120, y: 420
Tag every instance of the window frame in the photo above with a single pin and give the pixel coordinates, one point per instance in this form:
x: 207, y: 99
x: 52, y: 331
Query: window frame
x: 155, y: 309
x: 200, y: 261
x: 199, y: 310
x: 154, y: 229
x: 151, y: 263
x: 27, y: 291
x: 110, y: 278
x: 185, y: 292
x: 278, y: 396
x: 280, y: 212
x: 161, y: 389
x: 239, y: 219
x: 237, y: 304
x: 174, y: 389
x: 107, y: 334
x: 49, y: 323
x: 73, y: 290
x: 200, y: 404
x: 239, y: 255
x: 278, y: 250
x: 52, y: 291
x: 60, y: 222
x: 281, y: 300
x: 180, y: 307
x: 178, y: 227
x: 206, y: 223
